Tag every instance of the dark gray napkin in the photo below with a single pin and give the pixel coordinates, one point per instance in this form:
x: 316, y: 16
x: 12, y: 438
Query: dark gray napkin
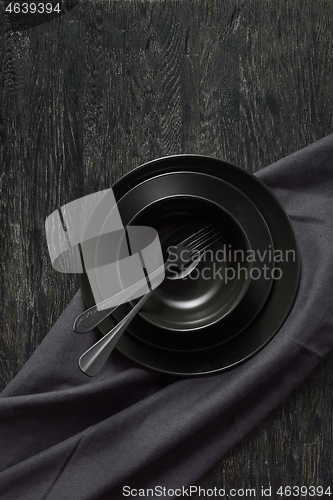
x: 66, y: 436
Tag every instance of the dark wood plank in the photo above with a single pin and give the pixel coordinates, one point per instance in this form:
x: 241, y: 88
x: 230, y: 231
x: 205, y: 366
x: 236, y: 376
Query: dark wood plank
x: 110, y: 85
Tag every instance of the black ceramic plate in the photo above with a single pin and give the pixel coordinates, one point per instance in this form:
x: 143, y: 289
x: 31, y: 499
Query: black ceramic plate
x: 283, y: 291
x: 249, y: 218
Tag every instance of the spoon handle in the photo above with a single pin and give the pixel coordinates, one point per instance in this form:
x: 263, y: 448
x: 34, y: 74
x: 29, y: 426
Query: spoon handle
x: 90, y: 318
x: 93, y: 360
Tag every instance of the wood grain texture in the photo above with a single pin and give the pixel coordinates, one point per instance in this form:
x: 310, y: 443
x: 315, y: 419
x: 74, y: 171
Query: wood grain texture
x: 112, y: 84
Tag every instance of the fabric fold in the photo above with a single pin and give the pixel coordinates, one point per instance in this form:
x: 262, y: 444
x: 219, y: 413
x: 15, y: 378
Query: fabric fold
x: 66, y: 436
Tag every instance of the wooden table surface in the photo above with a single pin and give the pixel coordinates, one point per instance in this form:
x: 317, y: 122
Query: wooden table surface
x: 92, y: 94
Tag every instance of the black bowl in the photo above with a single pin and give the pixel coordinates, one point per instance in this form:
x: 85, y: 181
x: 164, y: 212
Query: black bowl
x: 219, y: 282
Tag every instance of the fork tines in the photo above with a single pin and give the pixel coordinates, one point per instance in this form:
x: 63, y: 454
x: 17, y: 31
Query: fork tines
x: 203, y: 239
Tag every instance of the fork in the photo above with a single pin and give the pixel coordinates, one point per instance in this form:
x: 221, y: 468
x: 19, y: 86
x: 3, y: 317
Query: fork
x: 188, y: 253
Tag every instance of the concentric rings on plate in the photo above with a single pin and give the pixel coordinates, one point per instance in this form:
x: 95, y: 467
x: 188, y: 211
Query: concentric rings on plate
x: 253, y: 224
x: 224, y: 350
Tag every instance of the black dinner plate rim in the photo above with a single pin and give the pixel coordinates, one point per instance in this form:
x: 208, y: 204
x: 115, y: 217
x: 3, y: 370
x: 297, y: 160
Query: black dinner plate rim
x: 209, y: 361
x: 146, y: 330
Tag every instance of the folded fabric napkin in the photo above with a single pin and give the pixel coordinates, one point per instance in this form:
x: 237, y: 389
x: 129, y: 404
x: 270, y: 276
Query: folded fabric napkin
x: 66, y: 436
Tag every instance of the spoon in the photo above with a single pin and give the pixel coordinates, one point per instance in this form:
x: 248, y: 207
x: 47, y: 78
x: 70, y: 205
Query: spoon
x: 182, y: 259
